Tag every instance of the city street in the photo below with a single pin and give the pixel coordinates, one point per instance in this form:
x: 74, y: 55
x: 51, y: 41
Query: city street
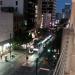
x: 24, y: 70
x: 37, y: 37
x: 11, y: 64
x: 27, y: 70
x: 16, y: 64
x: 20, y: 66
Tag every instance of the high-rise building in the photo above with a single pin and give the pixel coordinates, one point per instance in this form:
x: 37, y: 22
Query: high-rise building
x: 46, y: 10
x: 47, y: 6
x: 58, y: 16
x: 29, y: 13
x: 67, y: 10
x: 63, y: 13
x: 12, y: 6
x: 6, y: 26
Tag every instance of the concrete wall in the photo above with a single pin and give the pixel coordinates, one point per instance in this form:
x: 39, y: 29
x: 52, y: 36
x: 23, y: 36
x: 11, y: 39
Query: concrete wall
x: 73, y: 15
x: 68, y: 45
x: 70, y: 49
x: 73, y: 24
x: 12, y: 3
x: 6, y: 26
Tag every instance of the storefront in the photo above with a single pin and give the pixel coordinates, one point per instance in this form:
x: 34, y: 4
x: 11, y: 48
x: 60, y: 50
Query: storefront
x: 4, y: 48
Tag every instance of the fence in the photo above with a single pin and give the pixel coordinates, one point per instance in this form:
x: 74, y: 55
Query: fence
x: 60, y: 67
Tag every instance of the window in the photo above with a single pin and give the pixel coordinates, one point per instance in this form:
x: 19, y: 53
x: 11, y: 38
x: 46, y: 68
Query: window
x: 16, y: 2
x: 0, y: 2
x: 16, y: 9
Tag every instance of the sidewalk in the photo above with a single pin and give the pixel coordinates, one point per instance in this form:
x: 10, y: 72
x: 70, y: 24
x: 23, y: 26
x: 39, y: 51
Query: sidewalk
x: 6, y: 68
x: 11, y: 64
x: 13, y: 56
x: 31, y: 60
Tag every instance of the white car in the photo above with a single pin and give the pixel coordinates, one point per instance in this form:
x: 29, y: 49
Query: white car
x: 33, y: 50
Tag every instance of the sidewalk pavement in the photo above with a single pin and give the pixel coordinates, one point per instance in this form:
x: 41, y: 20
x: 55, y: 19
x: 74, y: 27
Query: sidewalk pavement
x: 12, y: 62
x: 13, y: 56
x: 30, y: 61
x: 6, y: 68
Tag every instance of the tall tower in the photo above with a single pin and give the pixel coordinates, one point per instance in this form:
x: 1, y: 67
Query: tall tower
x: 48, y: 11
x: 29, y: 13
x: 67, y: 10
x: 54, y: 11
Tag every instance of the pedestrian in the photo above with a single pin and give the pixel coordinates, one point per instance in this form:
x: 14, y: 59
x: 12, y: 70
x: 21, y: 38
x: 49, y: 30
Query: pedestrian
x: 6, y: 59
x: 26, y: 59
x: 1, y: 56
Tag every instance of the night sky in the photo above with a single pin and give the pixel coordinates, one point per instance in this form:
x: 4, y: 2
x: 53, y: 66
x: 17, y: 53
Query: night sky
x: 61, y: 4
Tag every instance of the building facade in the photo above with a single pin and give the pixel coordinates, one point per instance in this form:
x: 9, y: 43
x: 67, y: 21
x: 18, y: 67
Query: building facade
x: 29, y: 13
x: 6, y: 26
x: 72, y: 24
x: 12, y: 6
x: 67, y: 10
x: 46, y: 12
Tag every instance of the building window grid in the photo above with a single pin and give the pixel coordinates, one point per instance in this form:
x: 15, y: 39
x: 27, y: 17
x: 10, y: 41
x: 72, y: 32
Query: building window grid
x: 16, y: 9
x: 16, y: 2
x: 1, y: 2
x: 46, y: 6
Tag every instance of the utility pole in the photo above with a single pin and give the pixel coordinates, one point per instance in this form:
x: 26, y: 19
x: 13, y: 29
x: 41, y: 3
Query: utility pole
x: 10, y: 45
x: 37, y: 66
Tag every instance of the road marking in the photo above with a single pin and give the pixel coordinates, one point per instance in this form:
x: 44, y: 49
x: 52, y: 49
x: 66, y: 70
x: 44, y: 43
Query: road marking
x: 44, y: 69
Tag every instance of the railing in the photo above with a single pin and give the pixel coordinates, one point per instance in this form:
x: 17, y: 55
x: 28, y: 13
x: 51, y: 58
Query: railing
x: 60, y: 67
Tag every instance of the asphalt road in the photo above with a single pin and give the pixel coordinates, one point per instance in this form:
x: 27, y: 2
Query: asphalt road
x: 27, y: 70
x: 16, y: 69
x: 23, y: 70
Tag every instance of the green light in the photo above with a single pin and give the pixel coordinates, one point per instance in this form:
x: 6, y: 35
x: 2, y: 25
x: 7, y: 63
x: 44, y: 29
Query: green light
x: 49, y: 50
x: 25, y: 22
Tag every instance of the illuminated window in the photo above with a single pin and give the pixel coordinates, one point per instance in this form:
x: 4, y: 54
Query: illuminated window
x: 25, y: 22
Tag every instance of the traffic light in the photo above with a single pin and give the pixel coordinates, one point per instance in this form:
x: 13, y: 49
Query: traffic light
x: 48, y: 50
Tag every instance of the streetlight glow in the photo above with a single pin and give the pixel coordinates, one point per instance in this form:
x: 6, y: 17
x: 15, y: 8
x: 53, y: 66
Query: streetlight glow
x: 49, y: 50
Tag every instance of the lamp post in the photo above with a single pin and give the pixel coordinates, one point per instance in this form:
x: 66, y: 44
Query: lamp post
x: 36, y: 66
x: 10, y: 45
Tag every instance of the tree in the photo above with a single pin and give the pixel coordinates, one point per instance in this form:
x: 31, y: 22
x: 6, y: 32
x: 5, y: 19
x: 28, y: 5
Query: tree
x: 43, y: 31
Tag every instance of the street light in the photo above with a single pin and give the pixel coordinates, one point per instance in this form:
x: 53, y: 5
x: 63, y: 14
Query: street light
x: 37, y: 66
x: 10, y: 45
x: 48, y: 50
